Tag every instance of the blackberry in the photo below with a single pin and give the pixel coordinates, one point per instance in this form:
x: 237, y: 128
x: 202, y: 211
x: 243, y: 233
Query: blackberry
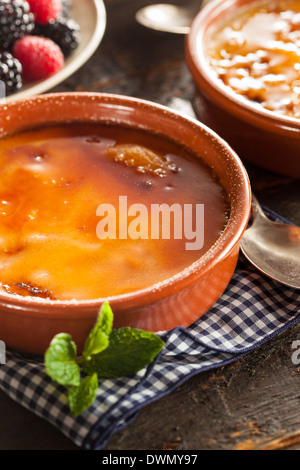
x: 16, y: 21
x: 64, y: 32
x: 10, y: 72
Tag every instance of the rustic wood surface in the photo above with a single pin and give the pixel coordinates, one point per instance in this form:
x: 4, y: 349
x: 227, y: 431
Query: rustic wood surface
x: 250, y: 404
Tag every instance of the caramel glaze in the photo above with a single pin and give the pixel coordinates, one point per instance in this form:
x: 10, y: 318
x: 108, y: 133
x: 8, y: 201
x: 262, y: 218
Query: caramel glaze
x: 256, y: 52
x: 53, y: 179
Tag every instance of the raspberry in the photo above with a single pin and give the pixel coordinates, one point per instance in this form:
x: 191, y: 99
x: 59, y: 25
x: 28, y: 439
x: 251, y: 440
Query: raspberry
x: 45, y: 10
x: 40, y: 57
x: 10, y: 72
x: 16, y: 21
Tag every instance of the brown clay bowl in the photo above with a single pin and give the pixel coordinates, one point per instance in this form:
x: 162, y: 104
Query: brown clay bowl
x: 260, y: 136
x: 28, y: 324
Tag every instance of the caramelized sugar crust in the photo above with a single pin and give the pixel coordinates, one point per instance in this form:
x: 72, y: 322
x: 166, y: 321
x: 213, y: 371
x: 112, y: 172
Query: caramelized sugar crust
x: 256, y: 52
x: 53, y: 179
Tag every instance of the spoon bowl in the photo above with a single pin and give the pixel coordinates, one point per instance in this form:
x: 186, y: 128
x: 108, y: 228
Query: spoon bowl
x: 273, y: 248
x: 169, y: 18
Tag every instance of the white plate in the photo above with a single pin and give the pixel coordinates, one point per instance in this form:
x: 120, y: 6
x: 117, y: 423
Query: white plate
x: 91, y: 17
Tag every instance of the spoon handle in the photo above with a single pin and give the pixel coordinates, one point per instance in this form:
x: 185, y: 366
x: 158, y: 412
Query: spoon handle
x: 256, y: 208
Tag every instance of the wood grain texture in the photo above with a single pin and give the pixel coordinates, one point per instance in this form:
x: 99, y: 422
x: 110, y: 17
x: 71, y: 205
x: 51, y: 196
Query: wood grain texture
x: 250, y: 404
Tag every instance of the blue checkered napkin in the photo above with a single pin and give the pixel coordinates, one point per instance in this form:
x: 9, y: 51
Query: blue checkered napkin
x: 251, y: 311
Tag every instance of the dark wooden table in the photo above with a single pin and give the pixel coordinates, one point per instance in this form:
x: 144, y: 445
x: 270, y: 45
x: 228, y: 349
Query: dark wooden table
x: 250, y: 404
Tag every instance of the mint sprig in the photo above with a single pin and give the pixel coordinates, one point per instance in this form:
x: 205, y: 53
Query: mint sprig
x: 60, y: 361
x: 98, y: 339
x: 128, y: 352
x: 82, y: 397
x: 107, y: 352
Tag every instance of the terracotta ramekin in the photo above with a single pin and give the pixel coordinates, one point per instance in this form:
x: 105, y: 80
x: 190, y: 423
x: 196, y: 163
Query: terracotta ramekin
x: 260, y: 136
x: 28, y: 324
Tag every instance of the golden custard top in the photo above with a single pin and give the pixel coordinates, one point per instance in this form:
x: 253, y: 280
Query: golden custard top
x: 256, y: 52
x: 52, y: 182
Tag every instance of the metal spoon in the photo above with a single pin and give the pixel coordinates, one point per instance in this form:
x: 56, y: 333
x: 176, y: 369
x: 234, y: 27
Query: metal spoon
x: 273, y: 248
x: 169, y: 18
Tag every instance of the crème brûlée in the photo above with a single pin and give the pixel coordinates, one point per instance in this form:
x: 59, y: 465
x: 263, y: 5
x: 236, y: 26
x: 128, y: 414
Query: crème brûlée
x: 52, y: 181
x: 255, y: 51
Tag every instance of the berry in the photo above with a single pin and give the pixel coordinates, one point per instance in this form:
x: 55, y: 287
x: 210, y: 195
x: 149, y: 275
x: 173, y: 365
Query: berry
x: 63, y: 32
x: 40, y: 57
x: 10, y: 72
x: 16, y: 21
x: 45, y: 10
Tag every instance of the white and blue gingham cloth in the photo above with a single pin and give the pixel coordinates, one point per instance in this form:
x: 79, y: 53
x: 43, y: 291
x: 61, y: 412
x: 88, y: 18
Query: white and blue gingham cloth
x: 251, y: 311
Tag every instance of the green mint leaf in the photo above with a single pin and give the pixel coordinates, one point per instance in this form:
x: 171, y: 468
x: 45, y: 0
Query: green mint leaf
x: 98, y: 339
x: 82, y: 397
x: 107, y: 352
x: 60, y: 360
x: 129, y: 351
